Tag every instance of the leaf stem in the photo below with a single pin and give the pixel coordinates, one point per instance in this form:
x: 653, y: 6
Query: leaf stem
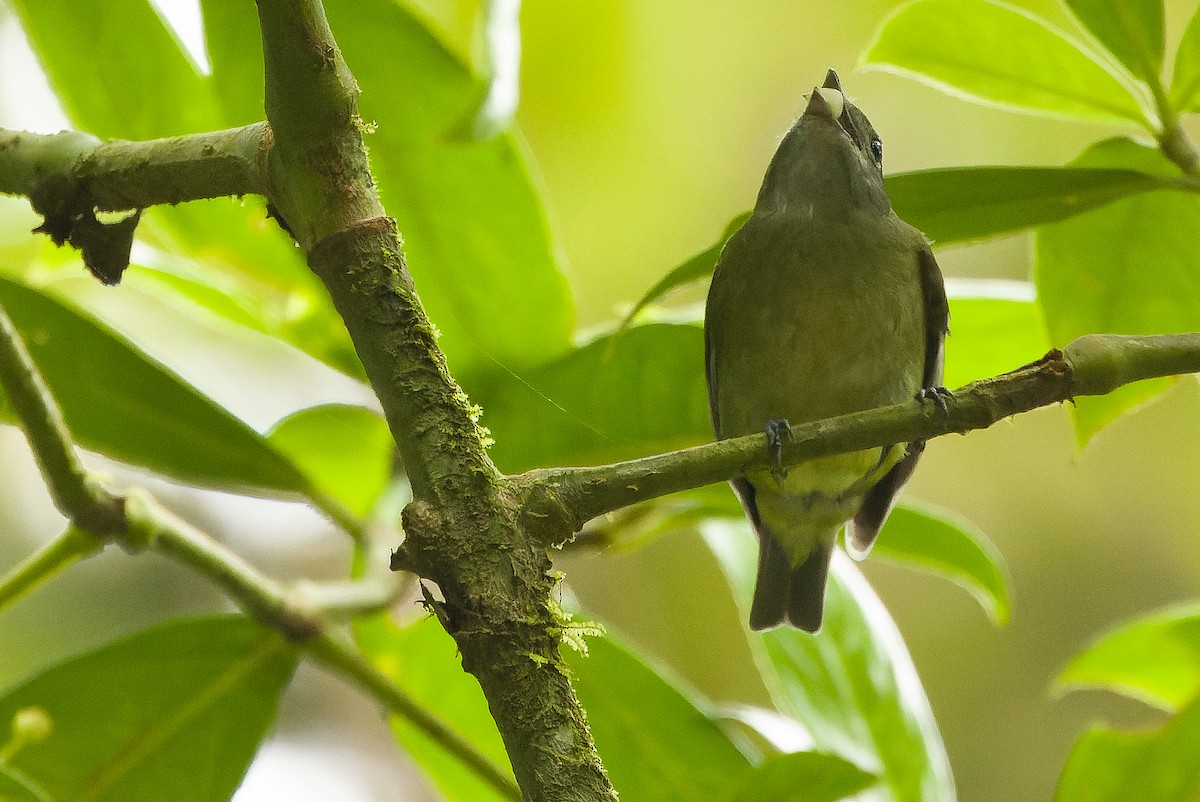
x: 77, y: 495
x: 1173, y: 140
x: 66, y: 548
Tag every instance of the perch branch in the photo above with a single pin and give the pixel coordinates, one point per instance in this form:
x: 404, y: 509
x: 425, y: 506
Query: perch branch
x: 561, y: 500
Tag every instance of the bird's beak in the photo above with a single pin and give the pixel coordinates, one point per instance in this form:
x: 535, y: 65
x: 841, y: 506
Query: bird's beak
x: 825, y: 100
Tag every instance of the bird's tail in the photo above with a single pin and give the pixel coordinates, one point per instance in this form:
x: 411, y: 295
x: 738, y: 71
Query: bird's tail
x: 781, y: 592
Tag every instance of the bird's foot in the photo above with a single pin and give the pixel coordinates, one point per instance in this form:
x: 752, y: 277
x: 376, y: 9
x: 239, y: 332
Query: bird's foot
x: 938, y: 395
x: 777, y: 431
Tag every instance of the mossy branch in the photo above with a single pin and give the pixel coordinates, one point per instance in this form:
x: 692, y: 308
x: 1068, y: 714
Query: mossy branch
x: 462, y: 530
x: 560, y: 500
x: 69, y: 172
x: 137, y: 523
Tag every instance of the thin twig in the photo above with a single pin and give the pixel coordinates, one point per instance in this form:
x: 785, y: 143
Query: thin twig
x: 77, y: 495
x: 65, y: 549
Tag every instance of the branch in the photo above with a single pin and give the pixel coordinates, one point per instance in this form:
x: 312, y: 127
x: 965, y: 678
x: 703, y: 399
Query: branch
x: 69, y: 177
x: 138, y: 523
x: 71, y: 172
x: 77, y: 495
x: 462, y: 529
x: 560, y: 500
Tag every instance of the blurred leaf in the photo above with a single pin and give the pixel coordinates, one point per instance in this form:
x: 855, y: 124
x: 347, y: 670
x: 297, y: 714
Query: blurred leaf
x: 803, y: 777
x: 641, y: 395
x: 1185, y: 86
x: 943, y: 544
x: 120, y: 402
x: 990, y: 335
x: 1109, y: 766
x: 1125, y: 153
x: 233, y: 40
x: 1126, y: 268
x: 345, y: 451
x: 853, y: 685
x: 1132, y: 30
x: 502, y: 68
x: 655, y: 743
x: 1002, y: 56
x: 113, y: 64
x: 696, y: 268
x: 197, y: 694
x: 971, y: 203
x: 1155, y: 659
x: 188, y: 292
x: 424, y: 662
x: 477, y: 239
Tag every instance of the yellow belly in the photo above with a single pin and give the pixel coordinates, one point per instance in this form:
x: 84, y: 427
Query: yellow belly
x: 810, y: 505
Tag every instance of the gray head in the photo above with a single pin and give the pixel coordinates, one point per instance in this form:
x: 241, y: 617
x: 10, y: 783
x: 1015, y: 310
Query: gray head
x: 830, y: 161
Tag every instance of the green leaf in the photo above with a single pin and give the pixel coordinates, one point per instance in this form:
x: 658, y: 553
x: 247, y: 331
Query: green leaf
x: 1126, y: 268
x: 1124, y: 153
x: 120, y: 402
x: 233, y: 39
x: 477, y: 239
x: 1155, y: 659
x: 1185, y: 85
x: 111, y: 65
x: 497, y: 105
x: 1163, y: 766
x: 803, y: 777
x: 1002, y: 56
x: 642, y: 394
x: 197, y: 694
x: 935, y: 540
x: 995, y: 327
x: 117, y: 68
x: 345, y: 451
x: 424, y: 662
x: 696, y: 268
x: 853, y: 686
x: 972, y: 203
x: 1132, y: 30
x: 656, y: 743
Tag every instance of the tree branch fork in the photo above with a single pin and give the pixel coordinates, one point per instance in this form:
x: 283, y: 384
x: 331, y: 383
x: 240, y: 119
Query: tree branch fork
x: 483, y: 537
x: 69, y: 176
x: 69, y: 172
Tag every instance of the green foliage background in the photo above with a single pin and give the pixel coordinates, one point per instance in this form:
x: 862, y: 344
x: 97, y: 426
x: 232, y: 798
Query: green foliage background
x: 650, y: 124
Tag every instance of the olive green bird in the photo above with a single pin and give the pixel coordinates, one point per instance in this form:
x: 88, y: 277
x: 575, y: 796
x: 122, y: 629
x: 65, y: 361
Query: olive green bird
x: 824, y: 303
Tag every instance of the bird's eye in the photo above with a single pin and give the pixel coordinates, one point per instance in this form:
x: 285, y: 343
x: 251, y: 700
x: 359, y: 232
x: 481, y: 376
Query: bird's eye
x: 877, y: 150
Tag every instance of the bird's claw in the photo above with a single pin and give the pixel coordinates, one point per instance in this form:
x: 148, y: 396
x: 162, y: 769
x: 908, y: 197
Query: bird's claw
x: 938, y: 395
x: 777, y: 431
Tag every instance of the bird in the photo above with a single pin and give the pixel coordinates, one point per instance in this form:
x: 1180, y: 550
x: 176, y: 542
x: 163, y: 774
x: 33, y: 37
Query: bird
x: 824, y: 303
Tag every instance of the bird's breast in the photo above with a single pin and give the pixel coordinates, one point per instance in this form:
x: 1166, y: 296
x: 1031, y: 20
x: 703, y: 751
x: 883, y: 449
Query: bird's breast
x: 808, y: 321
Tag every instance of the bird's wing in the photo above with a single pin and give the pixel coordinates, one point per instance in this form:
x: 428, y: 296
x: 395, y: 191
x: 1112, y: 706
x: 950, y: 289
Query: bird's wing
x: 937, y: 319
x: 862, y: 531
x: 710, y: 372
